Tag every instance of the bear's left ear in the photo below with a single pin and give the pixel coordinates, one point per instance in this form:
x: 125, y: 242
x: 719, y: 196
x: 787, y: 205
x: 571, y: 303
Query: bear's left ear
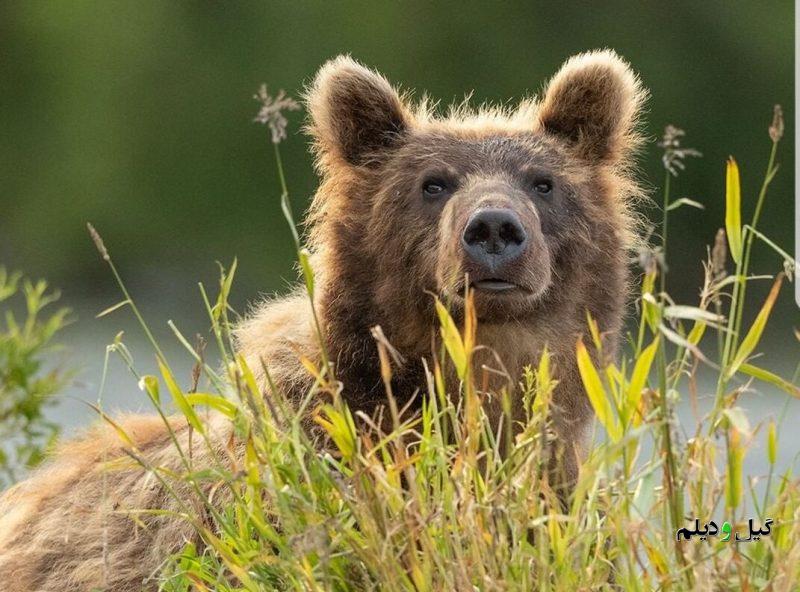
x: 355, y: 113
x: 594, y: 102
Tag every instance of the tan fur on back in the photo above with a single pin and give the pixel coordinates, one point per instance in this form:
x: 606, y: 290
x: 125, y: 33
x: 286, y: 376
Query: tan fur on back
x: 70, y: 526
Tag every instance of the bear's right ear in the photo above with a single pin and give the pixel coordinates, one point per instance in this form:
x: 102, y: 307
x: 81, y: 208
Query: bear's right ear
x: 355, y: 113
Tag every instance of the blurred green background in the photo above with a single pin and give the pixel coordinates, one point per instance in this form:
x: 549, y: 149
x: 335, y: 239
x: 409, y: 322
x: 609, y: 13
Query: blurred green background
x: 137, y: 116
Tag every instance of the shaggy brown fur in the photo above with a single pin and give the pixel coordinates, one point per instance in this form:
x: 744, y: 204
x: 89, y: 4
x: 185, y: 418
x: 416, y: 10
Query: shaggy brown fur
x: 382, y: 244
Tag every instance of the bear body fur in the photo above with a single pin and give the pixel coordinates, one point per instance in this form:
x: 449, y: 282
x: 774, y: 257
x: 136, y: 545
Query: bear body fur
x: 399, y: 186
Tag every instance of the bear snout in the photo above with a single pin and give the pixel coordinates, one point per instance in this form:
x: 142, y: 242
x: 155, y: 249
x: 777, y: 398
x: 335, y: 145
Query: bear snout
x: 494, y: 238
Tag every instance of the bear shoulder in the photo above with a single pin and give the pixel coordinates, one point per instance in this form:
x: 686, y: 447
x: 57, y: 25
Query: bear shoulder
x: 276, y: 335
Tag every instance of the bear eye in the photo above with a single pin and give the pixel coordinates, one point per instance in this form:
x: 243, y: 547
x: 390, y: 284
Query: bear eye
x: 434, y: 188
x: 543, y: 186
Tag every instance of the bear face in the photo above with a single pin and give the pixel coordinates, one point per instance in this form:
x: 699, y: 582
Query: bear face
x: 529, y: 205
x: 499, y: 211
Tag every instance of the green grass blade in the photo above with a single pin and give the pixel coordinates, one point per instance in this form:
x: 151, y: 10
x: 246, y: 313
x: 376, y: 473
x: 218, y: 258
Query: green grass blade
x: 597, y: 393
x: 733, y: 210
x: 753, y: 336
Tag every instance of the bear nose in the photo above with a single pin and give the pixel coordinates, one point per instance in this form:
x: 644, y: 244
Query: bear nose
x: 494, y: 237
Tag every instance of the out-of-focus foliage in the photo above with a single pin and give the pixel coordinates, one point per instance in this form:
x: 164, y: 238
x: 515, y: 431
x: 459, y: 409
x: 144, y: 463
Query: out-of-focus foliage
x: 26, y: 386
x: 137, y: 116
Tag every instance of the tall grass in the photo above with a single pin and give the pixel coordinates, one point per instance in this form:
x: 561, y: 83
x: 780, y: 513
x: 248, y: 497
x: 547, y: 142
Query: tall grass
x: 440, y: 501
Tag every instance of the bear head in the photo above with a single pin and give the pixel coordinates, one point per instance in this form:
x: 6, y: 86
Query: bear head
x: 528, y: 205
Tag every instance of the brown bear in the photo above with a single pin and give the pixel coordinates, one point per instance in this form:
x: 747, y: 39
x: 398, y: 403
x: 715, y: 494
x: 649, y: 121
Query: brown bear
x: 530, y: 205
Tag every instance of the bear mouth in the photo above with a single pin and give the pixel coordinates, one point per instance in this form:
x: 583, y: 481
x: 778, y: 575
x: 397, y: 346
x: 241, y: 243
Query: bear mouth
x: 495, y: 285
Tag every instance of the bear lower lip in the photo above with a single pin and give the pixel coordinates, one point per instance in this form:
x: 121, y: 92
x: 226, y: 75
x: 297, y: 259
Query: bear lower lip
x: 494, y: 285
